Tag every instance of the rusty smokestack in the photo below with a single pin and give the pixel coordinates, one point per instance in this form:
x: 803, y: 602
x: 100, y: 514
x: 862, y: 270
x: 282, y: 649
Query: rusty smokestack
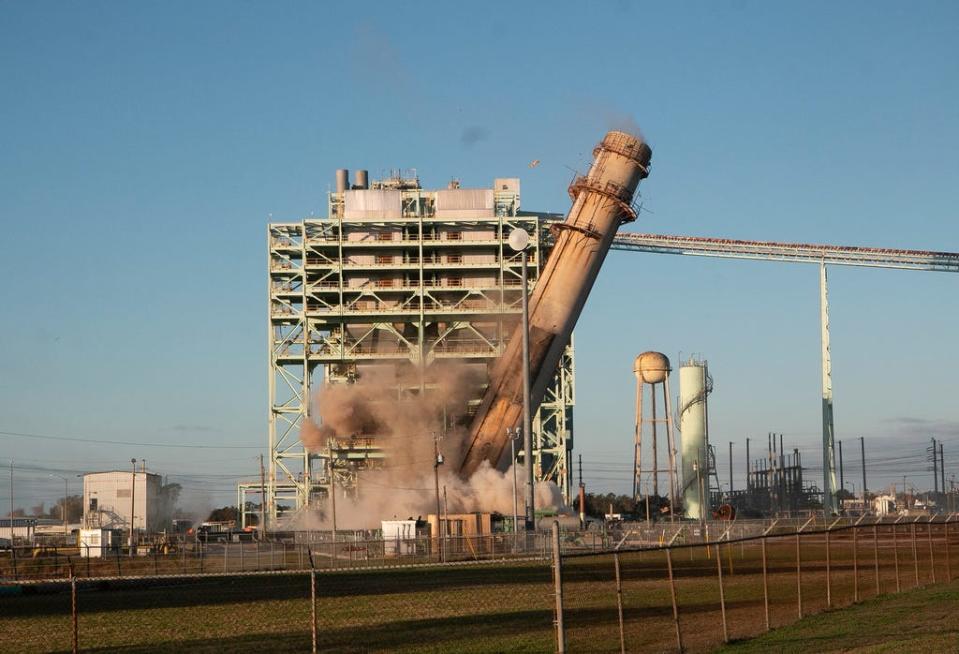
x: 601, y: 203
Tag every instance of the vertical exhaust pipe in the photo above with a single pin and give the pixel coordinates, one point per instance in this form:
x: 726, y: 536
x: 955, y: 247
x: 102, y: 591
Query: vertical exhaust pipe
x: 362, y: 180
x: 342, y: 180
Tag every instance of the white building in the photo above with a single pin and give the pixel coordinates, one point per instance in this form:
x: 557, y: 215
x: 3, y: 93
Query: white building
x: 109, y: 498
x: 18, y: 529
x: 884, y: 504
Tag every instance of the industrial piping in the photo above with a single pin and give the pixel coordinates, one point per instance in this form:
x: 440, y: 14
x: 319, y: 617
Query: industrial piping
x: 602, y: 201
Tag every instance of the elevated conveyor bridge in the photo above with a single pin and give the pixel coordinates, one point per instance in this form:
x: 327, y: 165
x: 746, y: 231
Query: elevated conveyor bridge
x: 823, y: 255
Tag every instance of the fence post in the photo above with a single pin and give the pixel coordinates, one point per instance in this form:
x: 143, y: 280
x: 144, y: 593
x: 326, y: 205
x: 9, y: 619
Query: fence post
x: 722, y: 593
x: 13, y: 555
x: 672, y: 592
x: 312, y: 600
x: 313, y: 607
x: 945, y: 529
x: 855, y: 563
x: 828, y: 573
x: 74, y: 617
x: 875, y: 553
x: 932, y: 556
x: 619, y: 604
x: 765, y: 585
x: 119, y: 571
x: 895, y: 552
x: 558, y: 586
x: 915, y: 554
x: 799, y: 574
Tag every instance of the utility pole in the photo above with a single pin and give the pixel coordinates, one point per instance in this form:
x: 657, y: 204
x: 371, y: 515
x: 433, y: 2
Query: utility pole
x: 11, y: 504
x: 769, y: 469
x: 942, y: 469
x: 935, y: 467
x: 332, y: 491
x: 582, y: 496
x: 842, y: 476
x: 862, y: 451
x: 133, y: 494
x: 518, y: 240
x: 66, y: 526
x: 702, y: 506
x: 730, y: 470
x: 782, y: 474
x: 262, y: 500
x: 512, y: 435
x: 749, y: 483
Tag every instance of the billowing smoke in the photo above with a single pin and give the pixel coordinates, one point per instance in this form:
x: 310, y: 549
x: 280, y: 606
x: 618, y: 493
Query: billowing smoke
x: 623, y: 122
x: 406, y: 424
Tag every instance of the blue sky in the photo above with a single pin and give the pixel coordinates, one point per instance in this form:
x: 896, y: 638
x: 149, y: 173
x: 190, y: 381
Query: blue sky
x: 144, y: 147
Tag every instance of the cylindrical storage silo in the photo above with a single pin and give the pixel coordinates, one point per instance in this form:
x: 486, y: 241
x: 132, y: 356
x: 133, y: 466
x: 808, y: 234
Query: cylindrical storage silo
x: 342, y: 180
x: 362, y: 179
x: 693, y: 438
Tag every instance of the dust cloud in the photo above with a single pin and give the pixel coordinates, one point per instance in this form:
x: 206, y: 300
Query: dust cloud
x: 407, y: 425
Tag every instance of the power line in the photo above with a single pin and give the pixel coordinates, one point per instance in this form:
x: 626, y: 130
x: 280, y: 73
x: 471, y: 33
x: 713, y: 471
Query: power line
x: 15, y: 434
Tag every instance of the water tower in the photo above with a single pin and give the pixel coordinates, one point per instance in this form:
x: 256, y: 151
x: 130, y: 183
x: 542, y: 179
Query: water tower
x: 652, y: 370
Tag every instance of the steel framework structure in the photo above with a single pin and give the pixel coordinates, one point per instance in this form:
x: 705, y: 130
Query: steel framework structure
x: 395, y: 276
x: 822, y: 255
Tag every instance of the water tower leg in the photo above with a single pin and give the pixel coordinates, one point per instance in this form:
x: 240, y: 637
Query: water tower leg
x: 830, y: 499
x: 652, y: 424
x: 638, y: 440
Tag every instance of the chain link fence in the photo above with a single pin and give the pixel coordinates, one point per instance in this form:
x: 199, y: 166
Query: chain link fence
x: 694, y: 596
x: 40, y: 563
x: 678, y: 587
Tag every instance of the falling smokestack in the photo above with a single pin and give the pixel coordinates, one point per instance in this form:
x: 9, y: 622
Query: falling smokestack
x: 342, y: 180
x: 601, y: 203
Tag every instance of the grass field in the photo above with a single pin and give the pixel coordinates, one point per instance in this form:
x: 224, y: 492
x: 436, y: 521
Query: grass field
x: 916, y: 621
x: 501, y: 607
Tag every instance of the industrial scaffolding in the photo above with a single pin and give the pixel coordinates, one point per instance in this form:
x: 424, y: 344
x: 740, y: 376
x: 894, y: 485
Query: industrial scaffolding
x: 395, y: 276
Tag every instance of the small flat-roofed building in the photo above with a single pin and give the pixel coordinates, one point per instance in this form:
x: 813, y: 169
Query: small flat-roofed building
x: 111, y: 498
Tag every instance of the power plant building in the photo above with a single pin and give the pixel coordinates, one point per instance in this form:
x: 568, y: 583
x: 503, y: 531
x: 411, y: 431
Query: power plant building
x: 394, y: 279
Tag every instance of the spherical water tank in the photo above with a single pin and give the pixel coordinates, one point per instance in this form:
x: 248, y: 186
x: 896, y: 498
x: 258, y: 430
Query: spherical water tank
x: 651, y: 367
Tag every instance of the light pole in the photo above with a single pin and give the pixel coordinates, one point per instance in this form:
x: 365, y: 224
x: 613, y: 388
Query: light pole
x: 437, y: 462
x: 11, y: 505
x: 699, y: 485
x: 511, y: 435
x: 63, y: 509
x: 133, y: 505
x: 518, y: 240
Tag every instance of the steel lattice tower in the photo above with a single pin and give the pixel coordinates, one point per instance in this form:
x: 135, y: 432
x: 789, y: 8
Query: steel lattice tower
x: 395, y: 275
